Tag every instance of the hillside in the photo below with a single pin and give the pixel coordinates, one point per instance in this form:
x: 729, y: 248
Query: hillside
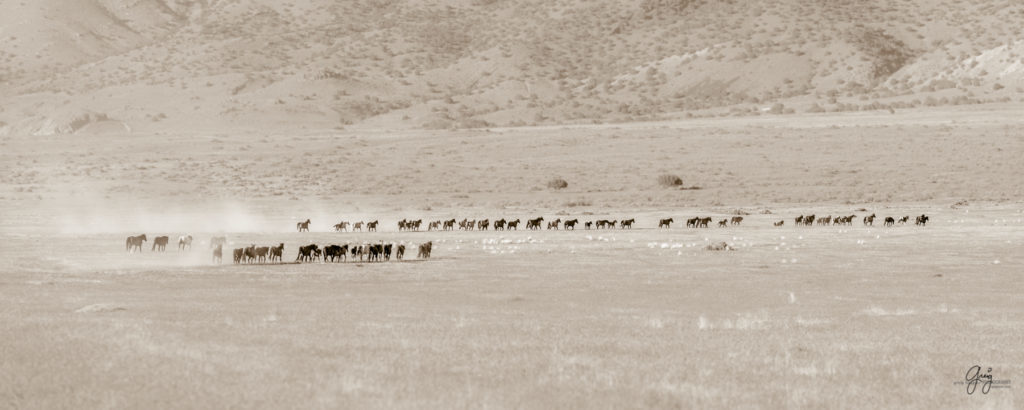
x: 176, y: 65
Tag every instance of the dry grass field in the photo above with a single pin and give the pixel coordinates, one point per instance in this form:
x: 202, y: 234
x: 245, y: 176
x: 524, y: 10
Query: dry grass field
x: 794, y: 317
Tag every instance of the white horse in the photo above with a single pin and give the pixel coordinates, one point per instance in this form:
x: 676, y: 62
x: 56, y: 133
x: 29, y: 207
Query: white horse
x: 184, y: 241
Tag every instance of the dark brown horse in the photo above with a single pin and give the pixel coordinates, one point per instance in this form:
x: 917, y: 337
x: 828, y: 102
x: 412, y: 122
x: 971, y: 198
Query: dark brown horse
x: 306, y: 253
x: 335, y: 253
x: 261, y: 254
x: 554, y: 224
x: 424, y: 252
x: 160, y: 243
x: 375, y: 251
x: 276, y: 252
x: 250, y: 254
x: 869, y: 220
x: 134, y: 242
x: 302, y: 226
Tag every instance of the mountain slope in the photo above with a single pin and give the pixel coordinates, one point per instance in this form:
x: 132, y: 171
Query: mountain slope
x: 318, y: 64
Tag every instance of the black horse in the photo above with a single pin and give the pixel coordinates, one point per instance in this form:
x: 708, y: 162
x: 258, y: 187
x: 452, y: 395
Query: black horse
x: 306, y: 253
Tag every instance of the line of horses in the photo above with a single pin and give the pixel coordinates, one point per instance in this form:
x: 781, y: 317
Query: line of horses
x: 343, y: 226
x: 702, y: 222
x: 134, y: 243
x: 570, y: 224
x: 253, y: 254
x: 811, y: 220
x: 485, y: 224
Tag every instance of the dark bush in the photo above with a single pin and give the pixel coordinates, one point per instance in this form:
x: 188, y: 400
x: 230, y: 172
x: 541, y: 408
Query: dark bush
x: 558, y: 183
x: 668, y: 180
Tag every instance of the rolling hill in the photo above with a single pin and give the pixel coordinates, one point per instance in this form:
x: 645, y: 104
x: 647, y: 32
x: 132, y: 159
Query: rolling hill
x: 101, y: 66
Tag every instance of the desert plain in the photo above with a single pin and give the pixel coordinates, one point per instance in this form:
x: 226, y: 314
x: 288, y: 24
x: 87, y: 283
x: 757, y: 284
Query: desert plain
x: 793, y: 317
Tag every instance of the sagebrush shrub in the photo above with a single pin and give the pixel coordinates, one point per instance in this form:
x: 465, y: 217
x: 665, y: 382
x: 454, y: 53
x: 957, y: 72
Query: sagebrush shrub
x: 669, y: 180
x: 558, y: 183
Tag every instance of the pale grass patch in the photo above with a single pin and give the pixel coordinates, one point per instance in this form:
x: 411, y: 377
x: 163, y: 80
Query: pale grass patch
x: 743, y: 321
x: 101, y: 308
x: 827, y: 369
x: 878, y: 311
x: 811, y: 322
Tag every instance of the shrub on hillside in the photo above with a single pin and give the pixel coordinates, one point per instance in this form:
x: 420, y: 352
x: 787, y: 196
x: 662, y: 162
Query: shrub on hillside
x: 887, y: 53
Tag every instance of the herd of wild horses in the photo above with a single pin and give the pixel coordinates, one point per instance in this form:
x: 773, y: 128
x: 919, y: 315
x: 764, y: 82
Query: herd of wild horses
x: 376, y: 252
x: 482, y: 225
x: 383, y: 251
x: 810, y: 220
x: 309, y: 253
x: 570, y: 224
